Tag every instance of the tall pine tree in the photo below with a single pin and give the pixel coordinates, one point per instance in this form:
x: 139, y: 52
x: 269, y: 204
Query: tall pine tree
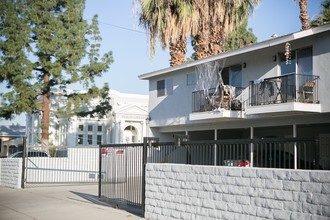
x: 42, y: 46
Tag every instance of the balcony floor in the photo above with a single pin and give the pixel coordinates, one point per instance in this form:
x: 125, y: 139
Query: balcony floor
x: 289, y: 108
x: 217, y: 114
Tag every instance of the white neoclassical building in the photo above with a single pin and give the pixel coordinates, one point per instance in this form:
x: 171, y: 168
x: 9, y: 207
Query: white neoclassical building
x: 126, y: 123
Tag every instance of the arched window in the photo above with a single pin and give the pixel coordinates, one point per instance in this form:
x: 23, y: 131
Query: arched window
x: 130, y: 134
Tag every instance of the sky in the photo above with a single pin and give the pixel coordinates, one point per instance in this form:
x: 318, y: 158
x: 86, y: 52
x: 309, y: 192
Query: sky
x: 121, y: 34
x: 129, y: 43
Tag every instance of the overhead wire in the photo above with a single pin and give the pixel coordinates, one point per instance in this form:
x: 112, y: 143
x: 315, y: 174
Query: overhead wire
x: 123, y: 28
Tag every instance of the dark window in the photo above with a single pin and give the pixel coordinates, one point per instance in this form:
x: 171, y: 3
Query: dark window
x: 225, y: 76
x: 301, y: 59
x: 81, y: 128
x: 287, y: 65
x: 99, y: 139
x: 232, y: 76
x: 37, y: 154
x: 80, y: 139
x: 164, y: 87
x: 305, y: 61
x: 90, y: 139
x: 160, y: 88
x: 191, y: 79
x: 99, y: 128
x: 130, y: 128
x: 90, y: 127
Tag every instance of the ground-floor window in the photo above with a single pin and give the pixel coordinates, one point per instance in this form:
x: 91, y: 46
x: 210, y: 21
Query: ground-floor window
x: 80, y: 139
x: 90, y: 139
x: 99, y: 139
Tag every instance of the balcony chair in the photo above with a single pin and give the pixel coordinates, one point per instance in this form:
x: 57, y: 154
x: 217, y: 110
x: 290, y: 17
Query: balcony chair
x: 308, y: 91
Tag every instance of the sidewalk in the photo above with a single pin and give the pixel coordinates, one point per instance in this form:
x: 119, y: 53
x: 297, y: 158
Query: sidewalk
x: 57, y: 203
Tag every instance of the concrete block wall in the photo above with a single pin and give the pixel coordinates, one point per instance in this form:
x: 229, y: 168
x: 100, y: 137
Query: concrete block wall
x: 11, y: 172
x: 175, y: 191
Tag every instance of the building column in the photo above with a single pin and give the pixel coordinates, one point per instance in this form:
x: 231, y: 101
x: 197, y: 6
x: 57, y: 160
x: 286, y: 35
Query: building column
x: 251, y: 145
x: 294, y: 131
x: 215, y: 146
x: 120, y: 133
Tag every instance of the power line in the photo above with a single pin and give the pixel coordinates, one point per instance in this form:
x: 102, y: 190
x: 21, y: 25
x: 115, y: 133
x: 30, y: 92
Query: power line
x: 123, y: 28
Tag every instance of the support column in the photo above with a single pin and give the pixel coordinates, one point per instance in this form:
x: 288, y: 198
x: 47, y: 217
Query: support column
x: 215, y: 146
x: 251, y: 145
x: 295, y: 146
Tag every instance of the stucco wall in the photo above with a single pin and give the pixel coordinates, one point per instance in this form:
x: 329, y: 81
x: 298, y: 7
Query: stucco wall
x: 176, y: 191
x: 11, y: 172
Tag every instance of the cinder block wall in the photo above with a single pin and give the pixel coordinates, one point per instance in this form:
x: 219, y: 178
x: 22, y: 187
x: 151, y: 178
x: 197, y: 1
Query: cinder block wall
x: 176, y: 191
x: 11, y: 172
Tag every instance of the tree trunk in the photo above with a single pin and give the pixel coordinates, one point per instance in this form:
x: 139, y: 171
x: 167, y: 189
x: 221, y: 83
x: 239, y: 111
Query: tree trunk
x: 305, y: 23
x: 216, y: 41
x: 45, y: 114
x: 201, y: 44
x: 178, y: 52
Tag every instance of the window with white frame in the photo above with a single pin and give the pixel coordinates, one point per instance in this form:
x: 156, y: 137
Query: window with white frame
x: 164, y: 87
x: 90, y: 127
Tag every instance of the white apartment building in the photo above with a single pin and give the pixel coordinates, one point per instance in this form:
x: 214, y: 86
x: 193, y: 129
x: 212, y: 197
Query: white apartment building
x: 272, y: 89
x: 126, y: 123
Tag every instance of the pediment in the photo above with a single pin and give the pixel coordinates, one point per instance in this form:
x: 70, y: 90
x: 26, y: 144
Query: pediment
x: 131, y: 109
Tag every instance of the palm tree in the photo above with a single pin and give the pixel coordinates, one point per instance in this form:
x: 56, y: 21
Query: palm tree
x: 169, y: 21
x: 304, y: 18
x: 208, y: 21
x: 324, y: 16
x: 223, y: 17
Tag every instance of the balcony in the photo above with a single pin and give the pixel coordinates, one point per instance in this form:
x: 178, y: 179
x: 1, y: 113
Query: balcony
x: 291, y: 93
x: 222, y: 102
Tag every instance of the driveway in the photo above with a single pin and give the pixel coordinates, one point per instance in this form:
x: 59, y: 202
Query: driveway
x: 56, y: 203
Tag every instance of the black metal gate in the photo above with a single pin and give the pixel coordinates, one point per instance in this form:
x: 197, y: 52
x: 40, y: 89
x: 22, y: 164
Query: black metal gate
x: 122, y: 175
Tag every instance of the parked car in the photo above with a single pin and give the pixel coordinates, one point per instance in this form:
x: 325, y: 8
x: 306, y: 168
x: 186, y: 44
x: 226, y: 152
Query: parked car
x: 32, y: 153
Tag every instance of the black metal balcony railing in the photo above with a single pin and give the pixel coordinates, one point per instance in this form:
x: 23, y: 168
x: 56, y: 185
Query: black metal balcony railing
x: 225, y: 97
x: 282, y: 89
x: 275, y: 90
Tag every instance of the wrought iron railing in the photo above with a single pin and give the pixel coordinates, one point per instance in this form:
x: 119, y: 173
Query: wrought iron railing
x: 270, y: 153
x: 282, y: 89
x: 226, y: 97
